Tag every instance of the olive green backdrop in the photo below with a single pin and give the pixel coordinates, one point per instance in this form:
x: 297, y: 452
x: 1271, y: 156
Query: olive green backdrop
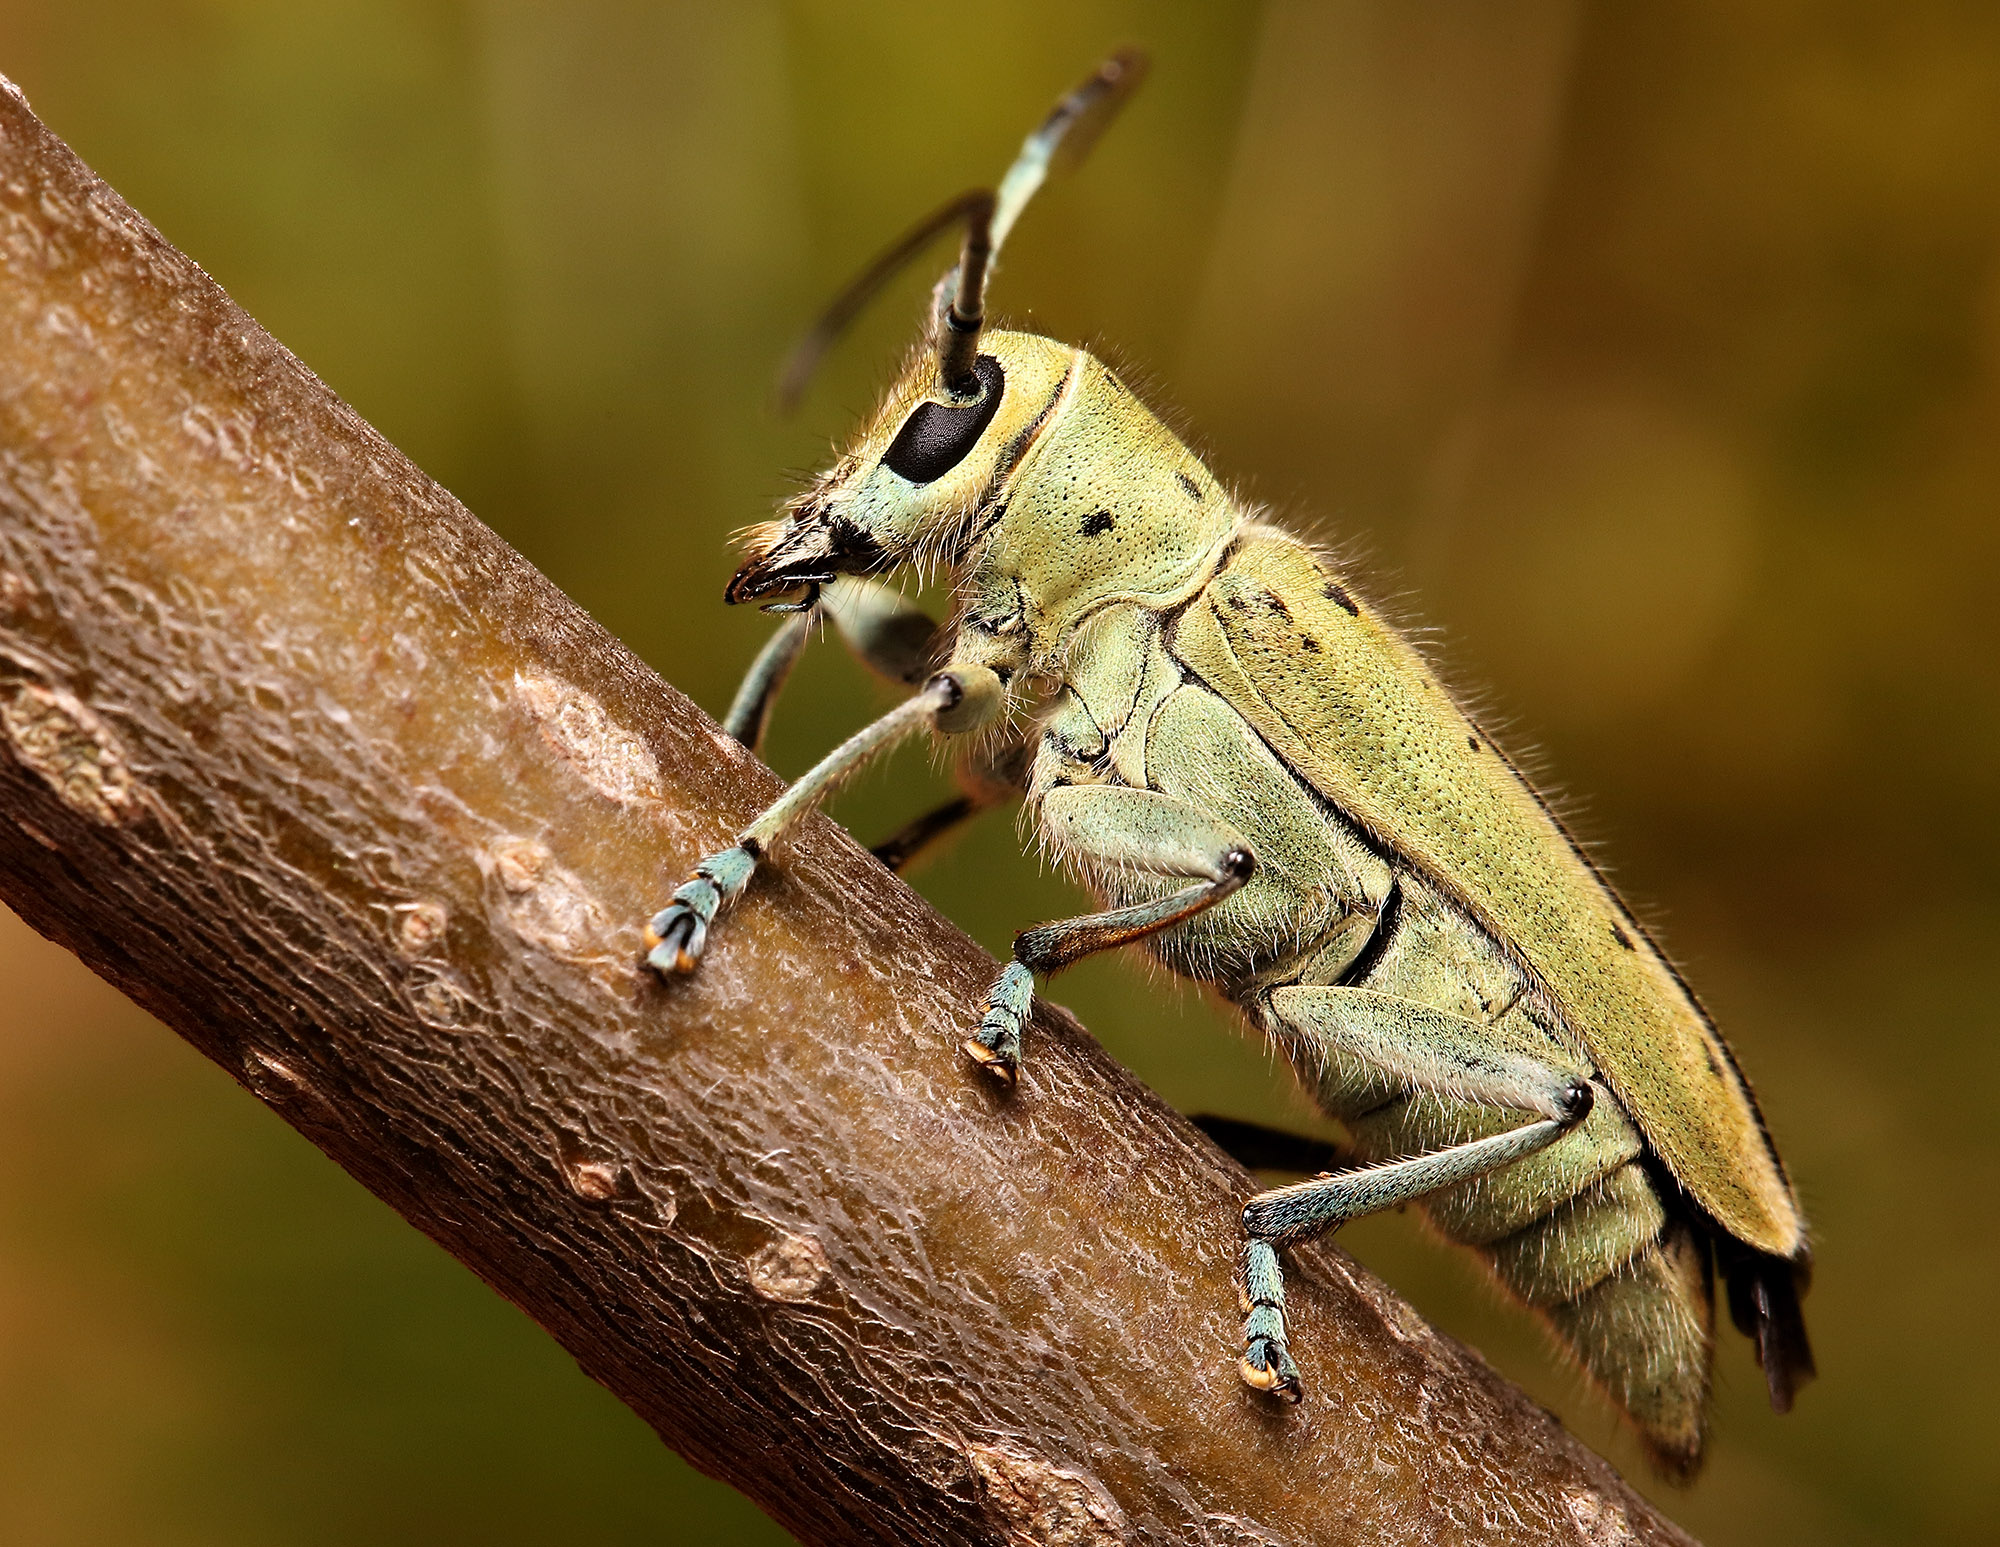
x: 1647, y: 356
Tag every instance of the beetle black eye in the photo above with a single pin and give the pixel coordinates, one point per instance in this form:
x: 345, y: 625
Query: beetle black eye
x: 935, y: 438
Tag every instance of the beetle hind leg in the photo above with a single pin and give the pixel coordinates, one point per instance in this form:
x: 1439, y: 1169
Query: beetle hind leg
x: 996, y: 1045
x: 1287, y: 1216
x: 1267, y: 1363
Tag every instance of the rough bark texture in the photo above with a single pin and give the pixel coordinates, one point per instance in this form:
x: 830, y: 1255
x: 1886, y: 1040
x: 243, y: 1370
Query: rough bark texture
x: 305, y: 760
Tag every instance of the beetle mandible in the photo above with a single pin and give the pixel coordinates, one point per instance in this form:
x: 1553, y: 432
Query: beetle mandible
x: 1269, y: 788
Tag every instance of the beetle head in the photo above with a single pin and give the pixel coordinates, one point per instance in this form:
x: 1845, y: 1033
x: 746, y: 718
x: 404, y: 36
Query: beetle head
x: 923, y: 480
x: 935, y: 461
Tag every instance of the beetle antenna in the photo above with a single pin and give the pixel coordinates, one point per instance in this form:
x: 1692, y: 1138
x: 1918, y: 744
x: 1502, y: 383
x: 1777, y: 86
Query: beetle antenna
x: 805, y: 357
x: 1064, y: 138
x: 1067, y: 135
x: 958, y: 331
x: 959, y: 300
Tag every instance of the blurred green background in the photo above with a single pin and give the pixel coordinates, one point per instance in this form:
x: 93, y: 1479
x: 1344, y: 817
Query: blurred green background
x: 1648, y: 356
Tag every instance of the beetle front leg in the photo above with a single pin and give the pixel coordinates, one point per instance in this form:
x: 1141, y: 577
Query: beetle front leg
x: 993, y: 772
x: 1110, y: 827
x: 889, y: 633
x: 677, y: 933
x: 750, y: 711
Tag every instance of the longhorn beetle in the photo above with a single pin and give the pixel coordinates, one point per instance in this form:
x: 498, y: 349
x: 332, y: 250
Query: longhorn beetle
x: 1269, y: 789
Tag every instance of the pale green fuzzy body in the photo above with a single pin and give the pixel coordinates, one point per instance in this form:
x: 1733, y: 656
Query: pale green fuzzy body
x: 1375, y: 886
x: 1578, y: 1230
x: 1113, y: 535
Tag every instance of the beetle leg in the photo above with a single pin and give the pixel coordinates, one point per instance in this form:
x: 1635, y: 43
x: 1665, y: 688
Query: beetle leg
x: 1267, y: 1359
x: 1485, y: 1062
x: 890, y: 634
x: 1289, y: 1215
x: 750, y: 711
x: 919, y: 833
x: 1110, y: 828
x: 994, y: 772
x: 1433, y: 1051
x: 1259, y: 1147
x: 1286, y: 1216
x: 677, y: 933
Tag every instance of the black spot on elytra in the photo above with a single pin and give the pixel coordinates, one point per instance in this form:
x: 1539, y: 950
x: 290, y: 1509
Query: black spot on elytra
x: 1310, y: 643
x: 1335, y: 593
x: 1097, y: 523
x: 1193, y: 488
x: 1236, y: 603
x: 1273, y: 602
x: 1472, y: 742
x: 1622, y: 938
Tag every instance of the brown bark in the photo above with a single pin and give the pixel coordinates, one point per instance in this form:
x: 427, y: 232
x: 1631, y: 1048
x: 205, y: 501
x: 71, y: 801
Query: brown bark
x: 305, y: 760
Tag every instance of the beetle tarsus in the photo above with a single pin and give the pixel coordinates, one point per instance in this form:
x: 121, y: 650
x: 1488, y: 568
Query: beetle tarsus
x: 1266, y: 1364
x: 1268, y: 1368
x: 996, y: 1046
x: 1001, y: 1067
x: 676, y: 934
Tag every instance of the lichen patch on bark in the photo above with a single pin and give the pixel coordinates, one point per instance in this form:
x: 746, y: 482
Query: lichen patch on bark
x: 608, y: 757
x: 545, y: 904
x: 595, y: 1181
x: 1600, y: 1521
x: 64, y: 741
x: 419, y: 926
x: 1039, y: 1504
x: 792, y: 1267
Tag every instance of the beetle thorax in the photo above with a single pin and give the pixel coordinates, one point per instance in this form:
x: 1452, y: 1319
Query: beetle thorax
x: 1107, y: 506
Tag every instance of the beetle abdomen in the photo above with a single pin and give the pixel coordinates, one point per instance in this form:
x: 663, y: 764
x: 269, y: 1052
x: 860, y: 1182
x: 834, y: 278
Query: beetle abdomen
x: 1579, y: 1231
x: 1646, y: 1335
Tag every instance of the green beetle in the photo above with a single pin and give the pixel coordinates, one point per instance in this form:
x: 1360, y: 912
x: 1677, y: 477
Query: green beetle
x: 1270, y: 789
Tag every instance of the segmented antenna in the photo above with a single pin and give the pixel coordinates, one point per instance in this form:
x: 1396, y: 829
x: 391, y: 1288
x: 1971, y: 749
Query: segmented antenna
x: 959, y: 300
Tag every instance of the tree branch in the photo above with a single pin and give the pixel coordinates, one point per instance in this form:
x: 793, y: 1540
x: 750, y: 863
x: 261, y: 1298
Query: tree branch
x: 305, y: 760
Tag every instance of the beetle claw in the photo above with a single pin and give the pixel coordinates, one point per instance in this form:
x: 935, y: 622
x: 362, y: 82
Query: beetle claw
x: 997, y: 1064
x: 676, y: 934
x: 996, y: 1045
x: 674, y: 939
x: 1268, y: 1367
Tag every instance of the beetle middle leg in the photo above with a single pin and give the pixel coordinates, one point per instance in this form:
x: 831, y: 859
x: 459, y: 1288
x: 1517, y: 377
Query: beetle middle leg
x: 1428, y: 1049
x: 993, y: 773
x: 1110, y: 828
x: 1260, y: 1147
